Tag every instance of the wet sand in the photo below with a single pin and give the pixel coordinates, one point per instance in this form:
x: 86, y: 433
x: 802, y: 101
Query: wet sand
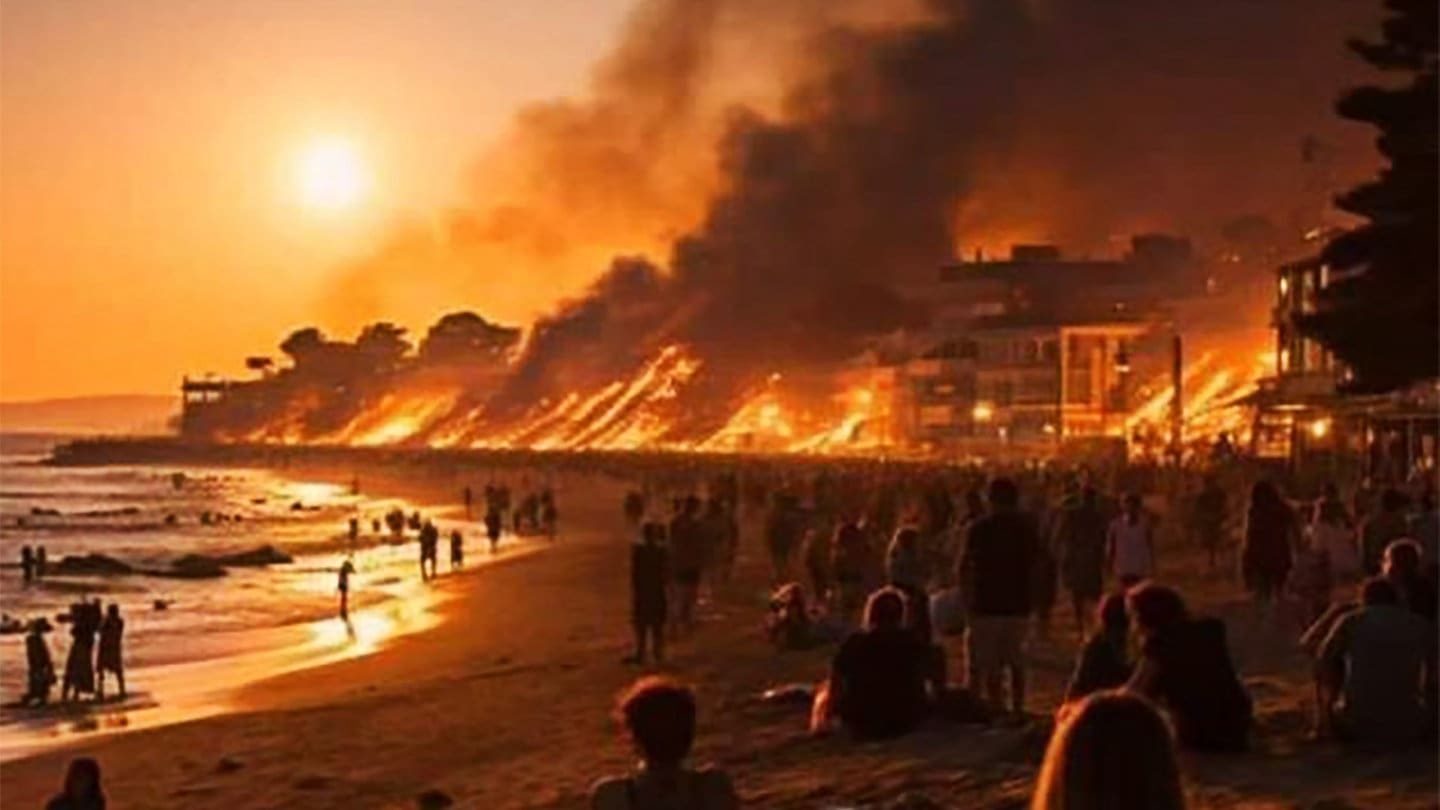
x: 506, y: 704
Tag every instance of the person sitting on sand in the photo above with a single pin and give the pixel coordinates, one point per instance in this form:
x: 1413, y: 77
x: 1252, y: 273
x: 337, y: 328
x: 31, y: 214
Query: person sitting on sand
x: 649, y: 573
x: 659, y: 716
x: 1104, y: 660
x: 792, y: 625
x: 41, y: 668
x: 111, y: 657
x: 1400, y: 564
x: 1185, y: 666
x: 878, y: 678
x: 1113, y: 751
x: 82, y: 790
x: 1368, y: 674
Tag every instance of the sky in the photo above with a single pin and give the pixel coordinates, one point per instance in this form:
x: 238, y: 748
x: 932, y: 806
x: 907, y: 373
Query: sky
x: 152, y: 216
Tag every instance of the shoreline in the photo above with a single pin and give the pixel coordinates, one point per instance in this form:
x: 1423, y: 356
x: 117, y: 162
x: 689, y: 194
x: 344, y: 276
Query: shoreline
x: 192, y: 689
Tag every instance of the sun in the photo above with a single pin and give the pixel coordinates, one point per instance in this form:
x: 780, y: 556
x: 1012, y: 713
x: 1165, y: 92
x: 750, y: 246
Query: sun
x: 331, y: 174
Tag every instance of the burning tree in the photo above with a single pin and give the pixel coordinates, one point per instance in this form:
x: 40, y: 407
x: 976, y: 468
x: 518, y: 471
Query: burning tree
x: 1378, y: 314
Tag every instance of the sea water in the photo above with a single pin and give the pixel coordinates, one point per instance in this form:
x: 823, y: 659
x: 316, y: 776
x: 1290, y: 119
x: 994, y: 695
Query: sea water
x: 183, y: 636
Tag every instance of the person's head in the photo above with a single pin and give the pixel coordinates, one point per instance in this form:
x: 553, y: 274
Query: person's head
x: 659, y: 716
x: 1378, y: 591
x: 1133, y: 504
x: 113, y: 611
x: 1113, y: 616
x: 885, y: 610
x: 1004, y: 494
x: 1153, y: 608
x: 82, y: 779
x: 1263, y: 495
x: 1402, y: 560
x: 1112, y: 752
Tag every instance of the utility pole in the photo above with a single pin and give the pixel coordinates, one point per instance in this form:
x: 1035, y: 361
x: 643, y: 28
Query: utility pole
x: 1177, y: 402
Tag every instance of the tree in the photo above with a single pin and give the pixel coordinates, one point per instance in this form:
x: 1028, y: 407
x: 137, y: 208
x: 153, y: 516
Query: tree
x: 467, y: 337
x: 1379, y: 313
x: 304, y: 346
x: 382, y: 346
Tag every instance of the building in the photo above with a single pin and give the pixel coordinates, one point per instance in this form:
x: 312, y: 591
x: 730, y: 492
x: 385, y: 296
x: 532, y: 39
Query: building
x: 1035, y: 353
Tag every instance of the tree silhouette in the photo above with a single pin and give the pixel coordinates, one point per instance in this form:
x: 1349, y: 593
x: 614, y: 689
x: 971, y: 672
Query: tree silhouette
x: 467, y: 337
x: 382, y: 346
x: 1379, y: 312
x: 304, y: 346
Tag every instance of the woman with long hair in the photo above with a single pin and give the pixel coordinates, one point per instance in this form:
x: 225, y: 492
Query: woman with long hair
x: 1112, y: 752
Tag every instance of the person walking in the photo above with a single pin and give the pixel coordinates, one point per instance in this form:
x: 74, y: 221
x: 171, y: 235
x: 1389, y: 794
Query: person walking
x: 997, y: 574
x: 111, y: 657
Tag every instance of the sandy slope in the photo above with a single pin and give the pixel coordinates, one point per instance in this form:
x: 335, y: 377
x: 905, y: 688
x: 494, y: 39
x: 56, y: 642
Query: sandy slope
x: 507, y: 705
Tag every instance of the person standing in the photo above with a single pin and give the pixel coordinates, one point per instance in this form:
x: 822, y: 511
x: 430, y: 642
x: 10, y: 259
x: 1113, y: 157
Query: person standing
x: 39, y: 563
x: 429, y: 550
x: 457, y: 550
x: 354, y: 532
x: 1080, y: 545
x: 997, y: 574
x: 493, y: 527
x: 648, y: 576
x: 1271, y: 537
x: 1209, y: 518
x: 687, y: 557
x: 41, y: 669
x: 347, y: 570
x: 27, y: 563
x: 111, y: 658
x: 80, y: 663
x: 1131, y: 544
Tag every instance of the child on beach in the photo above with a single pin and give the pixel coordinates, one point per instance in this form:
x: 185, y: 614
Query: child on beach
x: 659, y: 717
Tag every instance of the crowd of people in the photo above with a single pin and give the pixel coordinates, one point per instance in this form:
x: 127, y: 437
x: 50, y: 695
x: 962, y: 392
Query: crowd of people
x: 886, y: 562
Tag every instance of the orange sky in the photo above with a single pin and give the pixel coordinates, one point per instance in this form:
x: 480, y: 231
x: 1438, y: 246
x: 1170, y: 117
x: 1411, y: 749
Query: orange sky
x: 149, y: 216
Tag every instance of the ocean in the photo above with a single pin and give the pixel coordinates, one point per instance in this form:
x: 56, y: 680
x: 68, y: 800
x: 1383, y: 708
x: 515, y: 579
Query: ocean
x: 187, y: 640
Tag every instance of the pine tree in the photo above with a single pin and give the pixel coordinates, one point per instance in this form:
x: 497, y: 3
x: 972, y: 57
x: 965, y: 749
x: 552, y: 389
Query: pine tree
x: 1379, y: 313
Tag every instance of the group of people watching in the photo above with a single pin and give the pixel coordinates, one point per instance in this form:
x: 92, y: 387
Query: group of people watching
x: 85, y: 666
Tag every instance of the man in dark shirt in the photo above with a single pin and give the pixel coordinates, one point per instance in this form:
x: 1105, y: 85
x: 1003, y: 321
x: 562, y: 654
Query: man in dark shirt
x: 878, y: 677
x: 647, y: 592
x: 996, y: 574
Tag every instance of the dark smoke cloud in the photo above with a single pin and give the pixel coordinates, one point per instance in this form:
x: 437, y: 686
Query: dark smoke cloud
x: 784, y: 166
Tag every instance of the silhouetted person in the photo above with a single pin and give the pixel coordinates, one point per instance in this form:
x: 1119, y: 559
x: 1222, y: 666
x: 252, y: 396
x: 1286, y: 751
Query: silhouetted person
x: 1185, y: 666
x: 111, y: 657
x: 1370, y: 671
x: 659, y: 717
x: 878, y: 678
x: 27, y: 563
x: 354, y: 531
x: 493, y: 527
x: 347, y: 570
x: 457, y: 550
x: 549, y: 514
x: 996, y: 577
x: 80, y: 663
x: 1080, y: 545
x: 41, y: 670
x: 1381, y: 529
x: 634, y: 507
x: 40, y: 562
x: 649, y: 574
x: 82, y: 789
x: 1209, y: 518
x: 1104, y: 660
x: 429, y: 550
x: 687, y: 560
x: 1111, y: 752
x: 1272, y: 533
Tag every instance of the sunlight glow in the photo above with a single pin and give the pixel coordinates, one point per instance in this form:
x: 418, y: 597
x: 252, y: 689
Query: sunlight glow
x: 331, y: 175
